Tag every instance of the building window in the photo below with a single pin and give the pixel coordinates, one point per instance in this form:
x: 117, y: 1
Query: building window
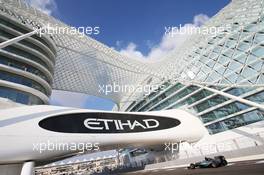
x: 23, y: 81
x: 215, y: 128
x: 223, y: 111
x: 237, y: 121
x: 19, y: 96
x: 218, y: 99
x: 259, y: 97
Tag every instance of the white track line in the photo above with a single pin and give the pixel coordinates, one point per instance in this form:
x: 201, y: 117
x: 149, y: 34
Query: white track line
x: 230, y: 164
x: 259, y: 162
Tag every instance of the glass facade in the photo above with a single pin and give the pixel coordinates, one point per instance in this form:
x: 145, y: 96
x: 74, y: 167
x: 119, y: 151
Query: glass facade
x: 225, y: 60
x: 26, y: 67
x: 218, y: 99
x: 19, y: 96
x: 217, y: 112
x: 23, y: 81
x: 223, y: 111
x: 235, y: 122
x: 23, y: 66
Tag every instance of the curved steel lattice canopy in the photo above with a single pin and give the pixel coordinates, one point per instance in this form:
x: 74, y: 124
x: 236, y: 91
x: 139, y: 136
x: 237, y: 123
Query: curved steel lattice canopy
x: 232, y: 57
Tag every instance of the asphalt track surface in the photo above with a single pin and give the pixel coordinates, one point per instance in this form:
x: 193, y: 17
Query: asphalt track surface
x: 255, y: 167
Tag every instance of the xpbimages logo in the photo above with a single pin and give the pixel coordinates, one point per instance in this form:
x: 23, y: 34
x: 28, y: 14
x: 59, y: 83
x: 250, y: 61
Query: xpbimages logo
x: 107, y: 123
x: 107, y: 89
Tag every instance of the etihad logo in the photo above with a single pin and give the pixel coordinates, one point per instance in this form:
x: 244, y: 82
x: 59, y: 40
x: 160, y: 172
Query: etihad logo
x: 104, y: 124
x: 107, y: 123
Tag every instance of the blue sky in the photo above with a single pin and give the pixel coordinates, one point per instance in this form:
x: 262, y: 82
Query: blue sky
x: 137, y: 21
x: 133, y: 27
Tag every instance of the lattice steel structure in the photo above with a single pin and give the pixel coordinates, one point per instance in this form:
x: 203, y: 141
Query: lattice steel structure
x: 230, y: 57
x: 82, y: 63
x: 217, y: 76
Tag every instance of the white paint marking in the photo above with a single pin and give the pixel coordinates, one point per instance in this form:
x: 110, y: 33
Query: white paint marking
x: 230, y: 164
x: 259, y: 162
x: 171, y: 169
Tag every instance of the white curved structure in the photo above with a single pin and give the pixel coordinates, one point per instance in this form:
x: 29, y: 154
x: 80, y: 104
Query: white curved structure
x: 43, y: 133
x: 24, y: 129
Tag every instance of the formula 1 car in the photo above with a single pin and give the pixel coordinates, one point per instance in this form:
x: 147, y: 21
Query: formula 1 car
x: 215, y: 162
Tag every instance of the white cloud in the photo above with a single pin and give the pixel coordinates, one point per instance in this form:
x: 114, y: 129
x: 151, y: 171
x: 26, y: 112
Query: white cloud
x: 119, y: 43
x: 131, y: 51
x: 200, y: 19
x: 168, y: 42
x: 46, y: 6
x: 149, y: 43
